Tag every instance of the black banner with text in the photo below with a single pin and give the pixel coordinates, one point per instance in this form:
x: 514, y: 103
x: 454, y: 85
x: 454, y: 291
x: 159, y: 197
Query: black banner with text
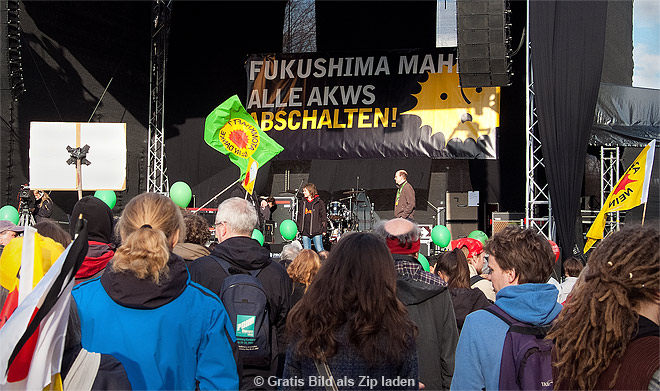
x: 394, y: 104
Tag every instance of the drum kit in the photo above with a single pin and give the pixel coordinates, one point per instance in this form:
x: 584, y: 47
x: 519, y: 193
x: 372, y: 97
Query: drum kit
x: 351, y: 213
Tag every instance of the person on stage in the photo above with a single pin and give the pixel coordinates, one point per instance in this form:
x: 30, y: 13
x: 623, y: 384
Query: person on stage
x: 404, y: 203
x: 312, y: 218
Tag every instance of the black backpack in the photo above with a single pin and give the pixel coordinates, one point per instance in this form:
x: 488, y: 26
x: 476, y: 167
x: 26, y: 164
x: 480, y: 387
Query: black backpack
x: 474, y: 279
x: 526, y: 355
x: 246, y: 303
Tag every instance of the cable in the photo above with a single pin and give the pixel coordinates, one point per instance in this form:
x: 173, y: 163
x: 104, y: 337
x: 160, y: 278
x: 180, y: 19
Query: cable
x: 44, y: 81
x: 107, y: 86
x: 10, y: 126
x: 522, y: 39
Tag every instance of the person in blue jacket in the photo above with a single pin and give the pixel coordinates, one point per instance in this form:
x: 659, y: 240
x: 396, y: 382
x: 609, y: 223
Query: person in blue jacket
x: 521, y: 261
x: 168, y: 332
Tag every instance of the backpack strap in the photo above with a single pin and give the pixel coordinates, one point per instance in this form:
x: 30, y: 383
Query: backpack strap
x: 517, y: 326
x: 226, y: 266
x: 474, y: 279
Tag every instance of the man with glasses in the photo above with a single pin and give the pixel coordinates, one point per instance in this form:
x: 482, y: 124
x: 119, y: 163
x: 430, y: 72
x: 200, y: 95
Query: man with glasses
x: 474, y: 252
x: 8, y: 231
x: 234, y: 223
x: 521, y: 261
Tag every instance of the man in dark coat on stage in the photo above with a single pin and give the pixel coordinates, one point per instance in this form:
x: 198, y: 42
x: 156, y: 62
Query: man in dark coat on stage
x: 404, y: 203
x: 428, y: 301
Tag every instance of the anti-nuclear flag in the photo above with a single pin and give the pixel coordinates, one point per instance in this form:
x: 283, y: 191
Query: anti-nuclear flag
x: 232, y: 131
x: 631, y: 190
x: 33, y: 326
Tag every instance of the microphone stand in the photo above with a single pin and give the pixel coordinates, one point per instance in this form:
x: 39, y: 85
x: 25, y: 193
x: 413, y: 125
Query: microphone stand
x: 294, y: 211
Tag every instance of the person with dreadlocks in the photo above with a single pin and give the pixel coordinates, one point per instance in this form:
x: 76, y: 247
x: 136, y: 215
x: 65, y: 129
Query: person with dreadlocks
x: 608, y: 334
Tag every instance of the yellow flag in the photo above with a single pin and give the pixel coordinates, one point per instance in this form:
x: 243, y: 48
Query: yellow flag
x: 46, y: 252
x: 631, y: 190
x: 251, y: 175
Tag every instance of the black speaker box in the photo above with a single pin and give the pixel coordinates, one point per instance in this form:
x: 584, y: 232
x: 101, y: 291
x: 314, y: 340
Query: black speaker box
x: 484, y: 35
x: 281, y: 213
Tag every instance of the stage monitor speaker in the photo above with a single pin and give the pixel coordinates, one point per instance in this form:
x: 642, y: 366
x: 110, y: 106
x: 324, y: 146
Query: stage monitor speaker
x: 503, y: 219
x: 283, y: 212
x: 484, y: 43
x: 461, y: 229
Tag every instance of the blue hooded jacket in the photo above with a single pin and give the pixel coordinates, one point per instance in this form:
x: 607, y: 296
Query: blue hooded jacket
x: 479, y: 350
x: 175, y: 335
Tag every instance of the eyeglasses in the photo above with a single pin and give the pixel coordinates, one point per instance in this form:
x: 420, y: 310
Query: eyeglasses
x: 220, y: 222
x: 486, y: 269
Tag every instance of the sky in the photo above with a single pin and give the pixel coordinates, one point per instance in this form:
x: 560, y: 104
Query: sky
x: 646, y: 43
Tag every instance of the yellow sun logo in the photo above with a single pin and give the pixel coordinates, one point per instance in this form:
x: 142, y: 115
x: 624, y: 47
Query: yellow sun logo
x: 470, y: 113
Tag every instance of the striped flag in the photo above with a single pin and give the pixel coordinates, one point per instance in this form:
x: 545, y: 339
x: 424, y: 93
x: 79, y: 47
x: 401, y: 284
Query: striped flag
x: 33, y: 332
x: 631, y: 190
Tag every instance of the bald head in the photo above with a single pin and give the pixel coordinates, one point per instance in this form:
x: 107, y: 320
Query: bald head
x: 401, y: 235
x: 402, y: 229
x: 400, y: 177
x: 399, y: 227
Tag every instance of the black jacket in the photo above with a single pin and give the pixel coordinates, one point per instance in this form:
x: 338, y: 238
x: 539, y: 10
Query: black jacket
x: 429, y: 306
x: 246, y: 254
x: 318, y: 219
x: 466, y: 301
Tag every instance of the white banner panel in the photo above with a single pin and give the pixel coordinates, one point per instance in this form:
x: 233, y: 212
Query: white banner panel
x: 48, y: 155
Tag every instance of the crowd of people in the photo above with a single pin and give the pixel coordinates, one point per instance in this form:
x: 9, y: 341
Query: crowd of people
x: 157, y: 308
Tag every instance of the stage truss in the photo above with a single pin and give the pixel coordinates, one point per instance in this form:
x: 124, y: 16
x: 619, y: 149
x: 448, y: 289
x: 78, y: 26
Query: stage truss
x: 157, y: 181
x: 609, y: 168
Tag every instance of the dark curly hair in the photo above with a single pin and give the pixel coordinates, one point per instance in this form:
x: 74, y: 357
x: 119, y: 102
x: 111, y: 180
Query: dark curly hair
x: 355, y: 291
x: 597, y: 323
x: 197, y: 228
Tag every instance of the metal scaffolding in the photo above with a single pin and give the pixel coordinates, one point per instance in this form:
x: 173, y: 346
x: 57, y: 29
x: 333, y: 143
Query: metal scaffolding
x: 160, y: 30
x: 609, y: 168
x: 538, y: 208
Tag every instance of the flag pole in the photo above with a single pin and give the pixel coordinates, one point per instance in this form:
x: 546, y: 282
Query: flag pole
x: 216, y: 196
x: 644, y: 213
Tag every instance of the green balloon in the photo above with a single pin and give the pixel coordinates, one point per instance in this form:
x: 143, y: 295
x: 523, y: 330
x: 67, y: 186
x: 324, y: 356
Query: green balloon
x: 181, y: 194
x: 425, y: 262
x: 288, y: 229
x: 258, y: 236
x: 9, y: 213
x: 440, y: 236
x: 107, y: 196
x: 479, y: 235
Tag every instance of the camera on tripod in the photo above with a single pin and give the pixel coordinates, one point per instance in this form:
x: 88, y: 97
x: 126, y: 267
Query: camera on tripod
x: 24, y: 193
x: 25, y: 199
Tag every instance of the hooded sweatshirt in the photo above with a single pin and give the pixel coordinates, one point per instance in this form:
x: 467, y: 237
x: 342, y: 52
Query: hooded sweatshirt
x: 479, y: 351
x: 429, y: 306
x: 173, y: 335
x: 244, y: 254
x: 99, y: 224
x: 190, y: 251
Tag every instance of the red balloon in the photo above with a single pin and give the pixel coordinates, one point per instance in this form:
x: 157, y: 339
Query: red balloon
x: 555, y: 249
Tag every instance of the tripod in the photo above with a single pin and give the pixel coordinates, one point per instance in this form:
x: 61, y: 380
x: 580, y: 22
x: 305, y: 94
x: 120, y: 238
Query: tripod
x: 26, y: 219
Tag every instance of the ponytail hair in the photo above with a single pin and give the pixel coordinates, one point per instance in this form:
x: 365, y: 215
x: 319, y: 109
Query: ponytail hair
x: 147, y: 227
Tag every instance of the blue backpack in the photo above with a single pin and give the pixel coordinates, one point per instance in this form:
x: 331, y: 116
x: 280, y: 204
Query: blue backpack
x: 526, y: 355
x: 246, y: 303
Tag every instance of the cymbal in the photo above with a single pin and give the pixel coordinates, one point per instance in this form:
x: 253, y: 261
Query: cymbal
x: 354, y: 191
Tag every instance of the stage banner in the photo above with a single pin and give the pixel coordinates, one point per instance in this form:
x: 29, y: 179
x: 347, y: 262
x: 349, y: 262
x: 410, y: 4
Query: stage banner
x: 394, y: 104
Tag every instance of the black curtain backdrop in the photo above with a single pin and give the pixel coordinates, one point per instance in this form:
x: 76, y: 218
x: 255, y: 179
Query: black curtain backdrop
x: 568, y: 40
